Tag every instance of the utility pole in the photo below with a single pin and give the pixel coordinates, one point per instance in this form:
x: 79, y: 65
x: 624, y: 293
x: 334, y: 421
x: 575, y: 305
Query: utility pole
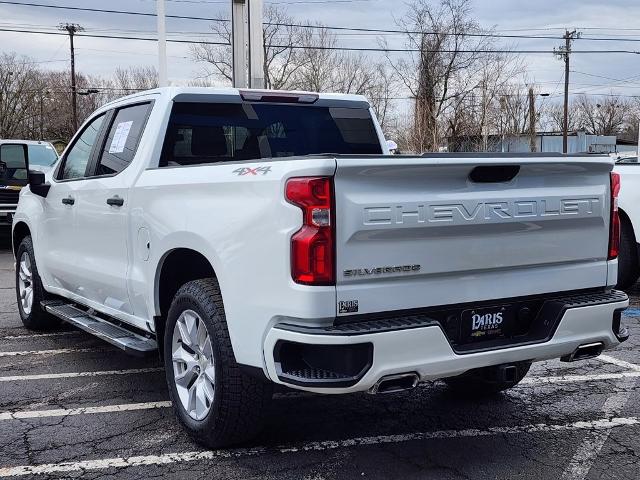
x: 256, y: 45
x: 485, y: 127
x: 162, y: 44
x: 72, y: 29
x: 532, y: 121
x: 564, y: 53
x: 239, y: 43
x: 247, y: 42
x: 42, y: 94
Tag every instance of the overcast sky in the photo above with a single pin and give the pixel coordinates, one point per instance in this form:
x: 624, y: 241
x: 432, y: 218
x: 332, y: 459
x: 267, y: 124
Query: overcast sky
x: 613, y: 19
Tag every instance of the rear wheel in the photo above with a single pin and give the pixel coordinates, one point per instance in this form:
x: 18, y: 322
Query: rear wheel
x: 214, y: 399
x: 488, y: 380
x: 29, y: 290
x: 628, y: 268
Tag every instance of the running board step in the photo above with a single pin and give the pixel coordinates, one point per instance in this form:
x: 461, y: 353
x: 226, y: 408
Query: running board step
x: 120, y: 337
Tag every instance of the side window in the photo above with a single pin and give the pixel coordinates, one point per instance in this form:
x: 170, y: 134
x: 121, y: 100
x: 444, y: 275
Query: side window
x: 76, y: 160
x: 122, y: 140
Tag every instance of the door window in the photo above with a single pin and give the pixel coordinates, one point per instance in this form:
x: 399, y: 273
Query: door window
x: 76, y: 160
x: 123, y: 138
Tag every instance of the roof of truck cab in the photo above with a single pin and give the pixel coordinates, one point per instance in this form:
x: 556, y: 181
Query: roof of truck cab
x: 171, y: 93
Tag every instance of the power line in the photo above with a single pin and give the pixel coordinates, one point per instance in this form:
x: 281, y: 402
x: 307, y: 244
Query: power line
x: 331, y: 48
x: 320, y: 27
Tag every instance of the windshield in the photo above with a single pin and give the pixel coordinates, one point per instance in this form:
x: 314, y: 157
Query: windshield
x: 208, y: 132
x: 43, y: 155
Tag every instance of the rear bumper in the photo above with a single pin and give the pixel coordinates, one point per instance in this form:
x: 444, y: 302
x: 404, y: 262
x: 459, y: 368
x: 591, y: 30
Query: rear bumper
x: 423, y: 348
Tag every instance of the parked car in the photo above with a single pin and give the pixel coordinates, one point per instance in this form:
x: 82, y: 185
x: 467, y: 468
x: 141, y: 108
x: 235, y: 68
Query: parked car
x: 629, y: 205
x: 211, y: 226
x: 42, y: 157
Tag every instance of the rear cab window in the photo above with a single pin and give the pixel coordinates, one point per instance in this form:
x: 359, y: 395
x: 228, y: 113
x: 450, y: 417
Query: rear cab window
x: 201, y: 133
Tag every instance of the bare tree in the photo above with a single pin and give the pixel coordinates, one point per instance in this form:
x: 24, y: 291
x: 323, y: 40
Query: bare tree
x: 133, y: 79
x: 440, y: 35
x: 604, y: 116
x: 552, y: 115
x: 320, y: 64
x: 489, y: 102
x: 19, y: 87
x: 281, y: 61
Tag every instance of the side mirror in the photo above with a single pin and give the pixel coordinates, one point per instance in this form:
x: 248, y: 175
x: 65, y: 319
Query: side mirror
x: 392, y: 146
x: 37, y: 183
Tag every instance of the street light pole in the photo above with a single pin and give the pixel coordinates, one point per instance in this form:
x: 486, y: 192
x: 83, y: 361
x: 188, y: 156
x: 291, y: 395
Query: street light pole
x: 162, y: 44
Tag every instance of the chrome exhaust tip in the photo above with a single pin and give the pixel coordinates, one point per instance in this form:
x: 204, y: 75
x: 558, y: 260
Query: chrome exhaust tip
x: 584, y: 352
x: 395, y: 383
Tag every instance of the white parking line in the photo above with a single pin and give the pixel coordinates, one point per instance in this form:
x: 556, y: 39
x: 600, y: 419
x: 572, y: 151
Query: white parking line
x: 531, y: 382
x: 38, y: 335
x: 528, y: 381
x: 64, y: 412
x: 587, y: 453
x: 101, y: 373
x: 577, y: 378
x: 604, y: 424
x: 57, y: 351
x: 619, y: 363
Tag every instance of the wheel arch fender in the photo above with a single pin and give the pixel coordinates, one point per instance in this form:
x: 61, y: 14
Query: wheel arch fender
x: 195, y: 257
x: 626, y: 218
x: 20, y: 229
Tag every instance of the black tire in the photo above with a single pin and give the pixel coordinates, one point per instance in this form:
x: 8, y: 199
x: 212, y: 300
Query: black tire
x: 37, y: 318
x: 628, y: 268
x: 485, y: 381
x: 240, y: 401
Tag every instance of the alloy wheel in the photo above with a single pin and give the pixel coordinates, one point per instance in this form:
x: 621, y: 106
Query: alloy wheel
x: 25, y: 283
x: 193, y: 364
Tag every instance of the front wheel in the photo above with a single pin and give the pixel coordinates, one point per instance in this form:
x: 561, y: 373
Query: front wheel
x: 214, y: 399
x: 488, y: 380
x: 29, y: 290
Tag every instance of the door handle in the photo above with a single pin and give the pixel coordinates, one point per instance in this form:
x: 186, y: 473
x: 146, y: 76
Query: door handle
x: 115, y: 201
x: 68, y: 201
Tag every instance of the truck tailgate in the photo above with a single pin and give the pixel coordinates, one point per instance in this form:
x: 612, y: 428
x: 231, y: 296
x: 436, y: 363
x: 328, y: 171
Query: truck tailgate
x: 413, y: 232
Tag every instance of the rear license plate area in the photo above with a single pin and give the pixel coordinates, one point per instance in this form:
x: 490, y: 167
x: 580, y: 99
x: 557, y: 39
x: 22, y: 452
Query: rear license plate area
x: 487, y: 323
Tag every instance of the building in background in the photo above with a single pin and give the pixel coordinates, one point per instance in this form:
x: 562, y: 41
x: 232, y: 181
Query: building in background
x: 578, y: 142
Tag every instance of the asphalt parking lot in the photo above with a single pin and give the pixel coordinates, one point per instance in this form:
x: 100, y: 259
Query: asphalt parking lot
x: 73, y: 406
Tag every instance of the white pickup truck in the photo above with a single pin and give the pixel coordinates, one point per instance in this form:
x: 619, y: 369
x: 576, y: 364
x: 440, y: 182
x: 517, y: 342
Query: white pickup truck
x: 258, y: 238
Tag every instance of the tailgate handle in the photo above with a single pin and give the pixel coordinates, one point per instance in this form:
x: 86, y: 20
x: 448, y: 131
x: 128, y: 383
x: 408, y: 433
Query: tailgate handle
x: 494, y: 173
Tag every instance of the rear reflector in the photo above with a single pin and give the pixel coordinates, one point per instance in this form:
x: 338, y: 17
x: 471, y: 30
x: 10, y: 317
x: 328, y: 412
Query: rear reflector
x: 614, y: 226
x: 313, y: 246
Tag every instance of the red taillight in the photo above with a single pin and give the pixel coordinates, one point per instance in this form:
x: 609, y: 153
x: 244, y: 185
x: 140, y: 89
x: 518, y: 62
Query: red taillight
x: 312, y: 247
x: 614, y: 227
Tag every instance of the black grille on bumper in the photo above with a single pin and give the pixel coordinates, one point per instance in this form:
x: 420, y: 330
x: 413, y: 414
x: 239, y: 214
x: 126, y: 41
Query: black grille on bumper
x: 8, y: 196
x: 545, y: 313
x: 314, y: 365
